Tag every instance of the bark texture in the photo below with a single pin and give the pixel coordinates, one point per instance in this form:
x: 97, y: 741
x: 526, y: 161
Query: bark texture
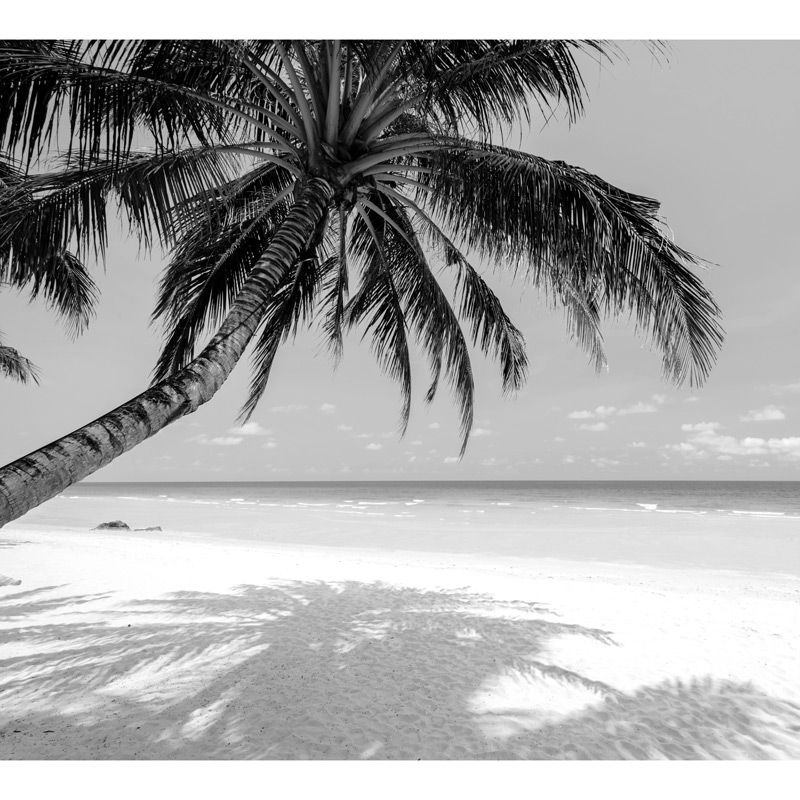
x: 42, y: 474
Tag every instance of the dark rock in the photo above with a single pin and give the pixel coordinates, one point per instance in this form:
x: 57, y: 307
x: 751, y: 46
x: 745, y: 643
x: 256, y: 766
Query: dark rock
x: 117, y: 524
x: 154, y: 528
x: 6, y: 581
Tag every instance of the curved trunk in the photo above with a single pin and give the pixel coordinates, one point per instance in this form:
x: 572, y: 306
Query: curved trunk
x: 29, y: 481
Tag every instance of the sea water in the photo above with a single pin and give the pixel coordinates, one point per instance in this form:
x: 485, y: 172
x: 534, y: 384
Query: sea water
x: 723, y: 525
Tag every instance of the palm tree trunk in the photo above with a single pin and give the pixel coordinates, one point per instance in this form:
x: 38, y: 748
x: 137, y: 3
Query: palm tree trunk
x: 29, y: 481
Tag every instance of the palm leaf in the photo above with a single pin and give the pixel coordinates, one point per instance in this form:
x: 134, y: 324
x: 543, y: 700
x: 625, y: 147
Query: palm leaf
x: 377, y: 305
x: 290, y: 305
x: 15, y: 366
x: 563, y: 225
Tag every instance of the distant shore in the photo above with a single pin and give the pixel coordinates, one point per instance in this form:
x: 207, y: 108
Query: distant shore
x: 173, y: 645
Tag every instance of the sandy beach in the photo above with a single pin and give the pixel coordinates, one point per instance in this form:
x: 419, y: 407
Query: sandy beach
x: 168, y: 645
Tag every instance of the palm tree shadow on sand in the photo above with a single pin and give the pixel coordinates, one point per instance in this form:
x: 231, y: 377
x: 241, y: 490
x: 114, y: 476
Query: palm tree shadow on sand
x: 345, y: 670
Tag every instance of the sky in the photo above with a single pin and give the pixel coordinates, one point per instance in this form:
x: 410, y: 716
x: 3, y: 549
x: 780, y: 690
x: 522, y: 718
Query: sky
x: 710, y: 134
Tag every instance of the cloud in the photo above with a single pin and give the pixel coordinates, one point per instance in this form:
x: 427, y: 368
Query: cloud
x: 692, y: 399
x: 344, y: 427
x: 598, y: 413
x: 434, y: 426
x: 638, y: 408
x: 637, y: 444
x: 766, y: 414
x: 594, y: 426
x: 451, y: 459
x: 603, y: 412
x: 700, y: 426
x: 292, y: 408
x: 249, y: 429
x: 225, y: 441
x: 411, y: 459
x: 481, y: 432
x: 568, y: 459
x: 580, y: 415
x: 415, y: 443
x: 327, y: 408
x: 683, y: 447
x: 270, y: 445
x: 706, y: 438
x: 374, y: 446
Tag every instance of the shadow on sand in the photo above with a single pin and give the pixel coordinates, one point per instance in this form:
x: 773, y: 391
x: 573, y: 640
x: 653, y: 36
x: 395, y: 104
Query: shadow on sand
x: 350, y: 670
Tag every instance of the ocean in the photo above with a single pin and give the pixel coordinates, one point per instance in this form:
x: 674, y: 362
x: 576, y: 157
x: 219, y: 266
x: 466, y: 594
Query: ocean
x: 745, y: 526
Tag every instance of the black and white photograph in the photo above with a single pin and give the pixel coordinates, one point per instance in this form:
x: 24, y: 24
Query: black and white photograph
x: 424, y: 399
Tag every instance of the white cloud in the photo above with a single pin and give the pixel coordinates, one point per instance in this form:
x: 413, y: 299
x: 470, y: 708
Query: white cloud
x: 599, y: 412
x: 766, y: 414
x: 249, y: 429
x: 363, y: 436
x: 450, y: 459
x: 700, y: 426
x: 411, y: 459
x: 344, y: 427
x: 434, y: 426
x: 568, y: 459
x: 481, y: 432
x: 327, y: 408
x: 558, y: 439
x: 415, y: 443
x: 374, y: 446
x: 225, y: 441
x: 692, y: 399
x: 270, y: 445
x: 705, y: 437
x: 580, y: 415
x: 637, y: 444
x: 594, y: 426
x: 659, y: 399
x: 638, y: 408
x: 605, y: 411
x: 683, y: 447
x: 290, y: 409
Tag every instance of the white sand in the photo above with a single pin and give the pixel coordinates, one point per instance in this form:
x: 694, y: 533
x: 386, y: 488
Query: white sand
x: 122, y: 645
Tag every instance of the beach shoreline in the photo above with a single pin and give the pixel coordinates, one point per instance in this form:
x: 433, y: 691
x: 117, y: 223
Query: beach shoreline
x: 167, y: 645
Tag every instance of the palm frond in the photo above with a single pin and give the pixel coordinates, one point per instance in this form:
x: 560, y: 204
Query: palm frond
x: 67, y: 209
x: 563, y: 225
x: 377, y: 305
x: 15, y: 366
x: 290, y: 305
x: 207, y: 271
x: 492, y: 329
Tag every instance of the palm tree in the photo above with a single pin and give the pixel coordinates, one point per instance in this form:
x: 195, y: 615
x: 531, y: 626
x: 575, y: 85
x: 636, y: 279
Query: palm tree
x: 326, y: 180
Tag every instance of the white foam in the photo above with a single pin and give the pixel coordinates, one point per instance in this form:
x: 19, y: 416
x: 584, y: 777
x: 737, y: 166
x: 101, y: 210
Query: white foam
x: 762, y: 513
x: 648, y: 506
